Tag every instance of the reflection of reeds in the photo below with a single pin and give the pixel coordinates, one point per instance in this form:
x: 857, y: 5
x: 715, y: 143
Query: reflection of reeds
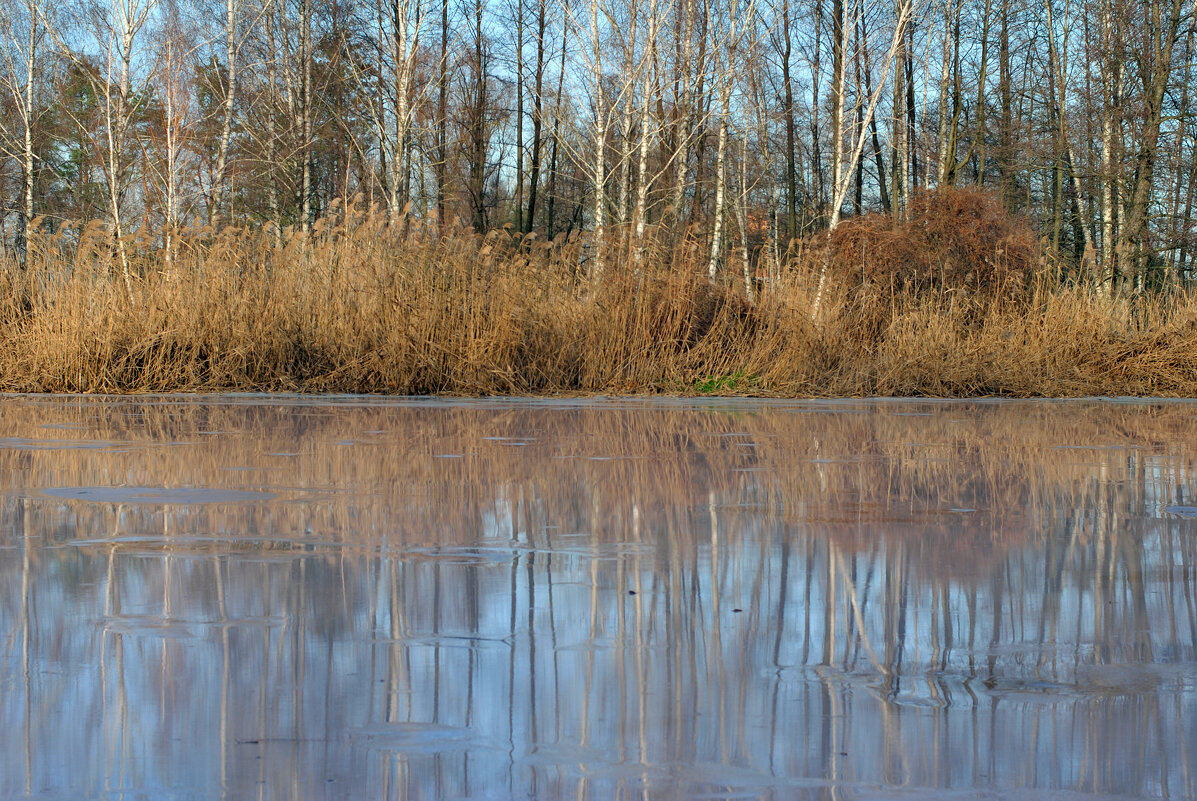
x: 358, y: 307
x: 968, y: 479
x: 874, y: 638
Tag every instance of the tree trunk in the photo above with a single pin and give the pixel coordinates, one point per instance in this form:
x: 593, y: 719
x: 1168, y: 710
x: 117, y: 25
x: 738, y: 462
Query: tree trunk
x: 945, y: 67
x: 1110, y: 65
x: 537, y: 115
x: 477, y: 122
x: 557, y: 112
x: 788, y: 84
x: 841, y: 190
x: 816, y: 150
x: 642, y: 177
x: 230, y: 98
x: 720, y: 177
x: 519, y: 115
x: 841, y: 34
x: 1006, y: 120
x: 600, y: 141
x: 900, y: 157
x: 442, y: 118
x: 882, y: 188
x: 305, y: 123
x: 979, y: 144
x: 1155, y: 68
x: 28, y: 114
x: 682, y: 129
x: 272, y: 193
x: 742, y: 216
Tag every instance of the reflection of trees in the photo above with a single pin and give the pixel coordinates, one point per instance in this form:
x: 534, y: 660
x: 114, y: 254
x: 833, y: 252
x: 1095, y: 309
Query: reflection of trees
x: 758, y: 597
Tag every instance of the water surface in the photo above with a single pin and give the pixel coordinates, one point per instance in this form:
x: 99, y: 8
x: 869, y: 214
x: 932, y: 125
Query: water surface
x: 348, y: 598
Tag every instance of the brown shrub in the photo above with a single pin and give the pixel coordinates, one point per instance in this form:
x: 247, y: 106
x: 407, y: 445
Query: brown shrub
x: 951, y: 239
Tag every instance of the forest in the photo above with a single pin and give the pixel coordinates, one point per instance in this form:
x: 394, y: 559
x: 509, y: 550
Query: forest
x: 706, y: 172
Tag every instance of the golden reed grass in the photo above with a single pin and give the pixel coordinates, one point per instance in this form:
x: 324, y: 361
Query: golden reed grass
x: 359, y: 305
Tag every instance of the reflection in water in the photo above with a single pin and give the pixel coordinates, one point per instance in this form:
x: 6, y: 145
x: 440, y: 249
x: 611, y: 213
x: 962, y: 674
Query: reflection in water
x: 595, y: 600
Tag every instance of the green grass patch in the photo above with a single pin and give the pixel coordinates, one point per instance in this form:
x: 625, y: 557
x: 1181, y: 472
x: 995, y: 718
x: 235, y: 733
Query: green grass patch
x: 722, y: 384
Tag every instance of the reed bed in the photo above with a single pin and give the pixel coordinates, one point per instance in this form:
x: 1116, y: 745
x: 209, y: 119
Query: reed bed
x: 360, y: 305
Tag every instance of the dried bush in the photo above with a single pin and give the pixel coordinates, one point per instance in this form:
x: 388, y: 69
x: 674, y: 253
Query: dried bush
x: 959, y: 239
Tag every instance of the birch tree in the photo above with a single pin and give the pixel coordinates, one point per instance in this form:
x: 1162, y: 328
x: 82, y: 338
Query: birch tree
x: 840, y: 189
x: 1110, y: 80
x: 673, y: 117
x: 685, y: 85
x: 401, y: 26
x: 730, y: 28
x: 601, y: 120
x: 175, y: 69
x: 116, y: 30
x: 22, y: 32
x: 643, y: 178
x: 236, y: 30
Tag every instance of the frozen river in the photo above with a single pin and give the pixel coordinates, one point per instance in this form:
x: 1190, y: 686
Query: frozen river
x: 273, y: 597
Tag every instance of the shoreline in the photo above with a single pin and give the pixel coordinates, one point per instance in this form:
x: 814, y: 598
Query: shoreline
x: 594, y: 398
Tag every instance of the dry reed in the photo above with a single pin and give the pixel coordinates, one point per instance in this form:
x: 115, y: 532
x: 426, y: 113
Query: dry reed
x: 361, y: 306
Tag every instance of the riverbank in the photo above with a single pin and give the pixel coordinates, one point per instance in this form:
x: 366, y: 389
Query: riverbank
x: 357, y: 306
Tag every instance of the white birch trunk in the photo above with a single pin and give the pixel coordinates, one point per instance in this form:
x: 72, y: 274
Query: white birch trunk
x: 720, y: 176
x: 625, y: 134
x: 945, y: 73
x: 839, y: 93
x: 1109, y: 196
x: 405, y: 49
x: 272, y: 196
x: 128, y: 18
x: 642, y: 177
x: 230, y: 98
x: 600, y: 142
x: 742, y: 216
x: 28, y: 113
x: 171, y: 131
x: 305, y: 123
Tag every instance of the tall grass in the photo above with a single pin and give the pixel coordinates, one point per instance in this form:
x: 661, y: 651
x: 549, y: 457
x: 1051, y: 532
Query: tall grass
x: 362, y: 306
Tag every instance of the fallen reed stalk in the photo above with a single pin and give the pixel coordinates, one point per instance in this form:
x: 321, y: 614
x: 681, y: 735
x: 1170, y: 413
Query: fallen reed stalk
x: 360, y: 306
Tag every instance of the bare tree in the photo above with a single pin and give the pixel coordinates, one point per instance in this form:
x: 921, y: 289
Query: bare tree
x: 115, y: 31
x: 1154, y: 66
x: 840, y: 189
x: 730, y: 35
x: 741, y: 124
x: 601, y: 121
x: 20, y: 72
